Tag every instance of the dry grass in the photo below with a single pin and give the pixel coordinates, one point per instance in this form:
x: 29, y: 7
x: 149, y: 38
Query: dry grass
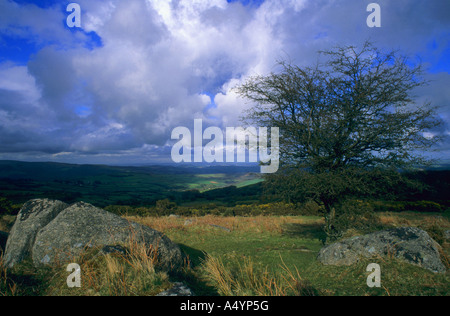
x: 257, y: 224
x: 248, y: 280
x: 422, y: 220
x: 267, y: 224
x: 117, y: 274
x: 132, y: 275
x: 7, y: 286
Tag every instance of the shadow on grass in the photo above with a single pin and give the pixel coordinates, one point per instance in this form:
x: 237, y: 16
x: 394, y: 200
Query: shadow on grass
x: 23, y: 282
x: 309, y: 231
x: 199, y: 286
x: 196, y: 257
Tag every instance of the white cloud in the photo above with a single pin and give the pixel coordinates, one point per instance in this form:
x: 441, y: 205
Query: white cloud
x: 17, y: 79
x: 161, y: 60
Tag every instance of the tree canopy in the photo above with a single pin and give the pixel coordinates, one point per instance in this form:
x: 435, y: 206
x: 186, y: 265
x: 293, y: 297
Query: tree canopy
x: 344, y: 122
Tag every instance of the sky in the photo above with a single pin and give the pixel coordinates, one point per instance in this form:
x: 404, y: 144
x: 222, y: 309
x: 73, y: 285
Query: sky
x: 113, y: 90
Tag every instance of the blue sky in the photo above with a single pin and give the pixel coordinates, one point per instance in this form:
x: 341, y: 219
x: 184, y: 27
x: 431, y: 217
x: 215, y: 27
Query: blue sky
x: 113, y: 90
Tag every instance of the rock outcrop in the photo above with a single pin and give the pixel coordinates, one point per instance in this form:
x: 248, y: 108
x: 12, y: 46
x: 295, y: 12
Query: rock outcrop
x: 178, y: 289
x: 73, y: 229
x: 409, y: 244
x: 34, y: 215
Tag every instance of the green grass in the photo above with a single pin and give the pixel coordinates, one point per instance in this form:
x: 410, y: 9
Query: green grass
x: 397, y: 279
x: 285, y: 248
x: 241, y: 256
x: 206, y: 182
x: 249, y: 182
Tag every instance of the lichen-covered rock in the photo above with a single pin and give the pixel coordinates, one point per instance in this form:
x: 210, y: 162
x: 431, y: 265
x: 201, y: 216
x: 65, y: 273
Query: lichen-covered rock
x: 178, y: 289
x: 33, y: 216
x: 82, y: 226
x: 409, y: 244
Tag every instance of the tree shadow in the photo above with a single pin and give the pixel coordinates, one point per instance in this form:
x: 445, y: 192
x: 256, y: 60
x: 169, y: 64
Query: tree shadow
x: 310, y: 231
x: 3, y: 240
x: 24, y: 281
x: 196, y: 257
x: 192, y: 276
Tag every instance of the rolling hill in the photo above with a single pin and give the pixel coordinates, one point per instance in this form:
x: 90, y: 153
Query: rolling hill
x: 109, y: 185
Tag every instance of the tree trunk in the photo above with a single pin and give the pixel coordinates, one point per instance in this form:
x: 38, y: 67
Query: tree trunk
x: 330, y: 217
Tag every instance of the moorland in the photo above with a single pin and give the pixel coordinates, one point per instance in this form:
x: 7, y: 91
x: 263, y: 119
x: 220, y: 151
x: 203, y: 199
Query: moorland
x: 240, y: 239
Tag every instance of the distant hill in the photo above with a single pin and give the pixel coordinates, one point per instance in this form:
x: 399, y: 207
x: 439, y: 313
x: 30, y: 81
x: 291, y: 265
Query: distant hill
x: 104, y: 185
x: 108, y: 185
x: 18, y: 169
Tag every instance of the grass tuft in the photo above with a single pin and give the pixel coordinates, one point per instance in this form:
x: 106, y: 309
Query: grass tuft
x: 250, y: 280
x: 115, y: 274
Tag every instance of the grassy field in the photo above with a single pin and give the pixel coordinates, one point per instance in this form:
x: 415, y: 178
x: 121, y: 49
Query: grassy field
x: 277, y: 256
x: 241, y: 256
x: 206, y: 182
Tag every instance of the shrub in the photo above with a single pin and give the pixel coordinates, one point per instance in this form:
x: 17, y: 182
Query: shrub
x: 426, y: 207
x: 353, y: 217
x: 408, y: 206
x: 120, y: 210
x: 7, y: 208
x: 310, y: 208
x: 269, y: 209
x: 165, y: 207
